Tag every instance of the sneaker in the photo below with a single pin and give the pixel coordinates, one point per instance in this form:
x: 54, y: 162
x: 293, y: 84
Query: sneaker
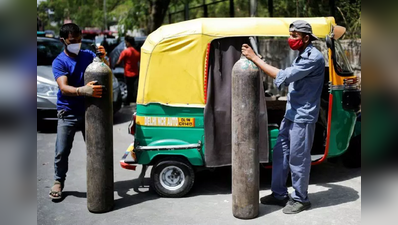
x: 293, y: 207
x: 272, y: 200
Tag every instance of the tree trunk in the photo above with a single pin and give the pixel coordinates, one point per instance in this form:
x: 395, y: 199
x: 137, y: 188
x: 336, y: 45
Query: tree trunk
x: 271, y: 8
x: 332, y: 5
x: 231, y: 8
x: 158, y: 9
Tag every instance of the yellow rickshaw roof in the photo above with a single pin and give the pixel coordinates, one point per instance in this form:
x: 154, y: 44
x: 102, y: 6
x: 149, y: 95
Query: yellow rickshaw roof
x: 242, y: 26
x: 173, y: 56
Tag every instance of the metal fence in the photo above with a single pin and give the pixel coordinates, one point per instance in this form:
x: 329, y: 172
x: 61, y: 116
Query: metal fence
x: 203, y: 10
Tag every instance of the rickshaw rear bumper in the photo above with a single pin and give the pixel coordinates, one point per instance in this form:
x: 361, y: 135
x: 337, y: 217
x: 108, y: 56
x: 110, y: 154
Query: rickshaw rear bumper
x: 128, y: 164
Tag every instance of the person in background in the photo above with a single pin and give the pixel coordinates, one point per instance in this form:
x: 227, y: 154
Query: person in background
x: 105, y: 44
x: 131, y: 58
x: 292, y: 150
x: 68, y: 69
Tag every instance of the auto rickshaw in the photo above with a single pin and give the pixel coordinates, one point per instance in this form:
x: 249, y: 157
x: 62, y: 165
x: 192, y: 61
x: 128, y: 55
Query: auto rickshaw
x: 169, y: 125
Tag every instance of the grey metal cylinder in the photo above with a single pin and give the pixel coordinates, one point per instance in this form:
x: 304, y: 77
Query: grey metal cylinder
x: 245, y: 139
x: 99, y: 139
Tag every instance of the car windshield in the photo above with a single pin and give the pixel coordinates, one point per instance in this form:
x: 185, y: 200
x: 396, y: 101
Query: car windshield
x: 48, y: 50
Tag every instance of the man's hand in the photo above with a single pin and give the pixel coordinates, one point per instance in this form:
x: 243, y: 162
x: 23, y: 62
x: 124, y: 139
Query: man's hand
x: 101, y: 49
x: 91, y: 90
x: 268, y: 69
x: 248, y: 52
x: 102, y: 55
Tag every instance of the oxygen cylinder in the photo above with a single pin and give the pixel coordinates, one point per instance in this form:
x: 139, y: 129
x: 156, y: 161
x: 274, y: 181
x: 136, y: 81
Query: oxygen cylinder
x: 99, y: 139
x: 245, y: 139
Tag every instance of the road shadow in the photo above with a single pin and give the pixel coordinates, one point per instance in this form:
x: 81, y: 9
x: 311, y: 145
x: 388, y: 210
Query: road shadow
x: 65, y: 194
x: 334, y: 195
x: 267, y: 209
x: 125, y: 114
x: 212, y: 182
x: 142, y: 194
x: 47, y: 126
x: 219, y: 181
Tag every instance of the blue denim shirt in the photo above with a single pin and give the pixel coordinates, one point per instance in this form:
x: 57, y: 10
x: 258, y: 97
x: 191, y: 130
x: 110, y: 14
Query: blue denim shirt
x: 305, y: 80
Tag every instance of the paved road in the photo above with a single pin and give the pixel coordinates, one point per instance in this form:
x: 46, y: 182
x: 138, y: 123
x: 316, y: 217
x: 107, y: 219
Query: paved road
x: 335, y: 192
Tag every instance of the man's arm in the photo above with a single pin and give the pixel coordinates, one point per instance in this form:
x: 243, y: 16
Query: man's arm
x: 90, y: 89
x: 268, y: 69
x: 285, y: 76
x: 117, y: 63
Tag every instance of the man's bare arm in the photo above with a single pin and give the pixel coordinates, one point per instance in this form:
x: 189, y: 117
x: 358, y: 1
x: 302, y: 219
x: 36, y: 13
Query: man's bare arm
x: 90, y: 89
x: 268, y: 69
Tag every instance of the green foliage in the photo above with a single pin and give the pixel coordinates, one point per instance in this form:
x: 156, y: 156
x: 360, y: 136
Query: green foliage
x: 134, y: 14
x: 85, y: 13
x: 348, y: 14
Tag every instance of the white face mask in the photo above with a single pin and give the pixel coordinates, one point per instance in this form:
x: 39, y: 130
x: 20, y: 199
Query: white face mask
x: 74, y: 48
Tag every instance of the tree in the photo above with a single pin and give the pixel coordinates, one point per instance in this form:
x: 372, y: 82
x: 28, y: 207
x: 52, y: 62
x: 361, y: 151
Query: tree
x: 85, y: 13
x: 158, y: 9
x: 150, y: 14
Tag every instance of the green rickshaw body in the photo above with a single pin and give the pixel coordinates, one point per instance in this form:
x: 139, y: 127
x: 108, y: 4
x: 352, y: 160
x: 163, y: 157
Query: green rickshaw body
x: 342, y: 127
x: 166, y: 135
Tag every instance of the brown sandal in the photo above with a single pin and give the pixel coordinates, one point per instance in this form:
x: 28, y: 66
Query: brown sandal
x: 56, y: 194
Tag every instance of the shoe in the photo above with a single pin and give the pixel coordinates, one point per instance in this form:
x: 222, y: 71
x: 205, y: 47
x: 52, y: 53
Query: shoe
x: 56, y: 191
x: 293, y: 207
x: 272, y: 200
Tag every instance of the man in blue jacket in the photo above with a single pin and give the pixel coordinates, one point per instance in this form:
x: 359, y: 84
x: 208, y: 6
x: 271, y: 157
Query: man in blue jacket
x: 292, y: 150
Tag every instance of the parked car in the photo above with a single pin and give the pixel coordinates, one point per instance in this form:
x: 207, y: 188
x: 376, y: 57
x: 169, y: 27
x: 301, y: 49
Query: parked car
x: 119, y: 70
x: 46, y: 33
x: 88, y: 44
x: 47, y: 88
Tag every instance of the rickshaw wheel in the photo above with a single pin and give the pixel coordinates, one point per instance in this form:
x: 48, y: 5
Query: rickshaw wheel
x: 172, y: 177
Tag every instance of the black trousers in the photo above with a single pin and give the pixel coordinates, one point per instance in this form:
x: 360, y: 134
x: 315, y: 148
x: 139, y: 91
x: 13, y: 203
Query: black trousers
x: 132, y: 87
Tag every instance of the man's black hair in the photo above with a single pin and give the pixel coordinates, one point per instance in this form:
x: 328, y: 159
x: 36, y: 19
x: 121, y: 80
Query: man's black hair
x: 69, y: 28
x: 130, y: 40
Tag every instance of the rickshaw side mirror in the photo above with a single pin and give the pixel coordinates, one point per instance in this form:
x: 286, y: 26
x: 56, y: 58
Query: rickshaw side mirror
x: 338, y: 32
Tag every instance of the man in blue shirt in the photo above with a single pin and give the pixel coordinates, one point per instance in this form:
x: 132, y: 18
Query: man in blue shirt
x: 68, y: 69
x: 293, y: 148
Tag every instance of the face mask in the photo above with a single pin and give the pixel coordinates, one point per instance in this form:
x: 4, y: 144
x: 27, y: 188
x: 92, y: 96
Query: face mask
x: 73, y: 48
x: 295, y: 44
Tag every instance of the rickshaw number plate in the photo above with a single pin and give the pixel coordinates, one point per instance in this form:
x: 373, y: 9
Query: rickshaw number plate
x: 186, y: 122
x: 165, y: 121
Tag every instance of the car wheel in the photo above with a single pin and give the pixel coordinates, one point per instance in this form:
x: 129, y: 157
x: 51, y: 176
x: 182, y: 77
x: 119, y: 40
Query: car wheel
x: 172, y: 177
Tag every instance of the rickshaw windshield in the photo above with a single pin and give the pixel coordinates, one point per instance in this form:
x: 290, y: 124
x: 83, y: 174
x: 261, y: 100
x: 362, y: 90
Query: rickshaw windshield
x: 342, y: 65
